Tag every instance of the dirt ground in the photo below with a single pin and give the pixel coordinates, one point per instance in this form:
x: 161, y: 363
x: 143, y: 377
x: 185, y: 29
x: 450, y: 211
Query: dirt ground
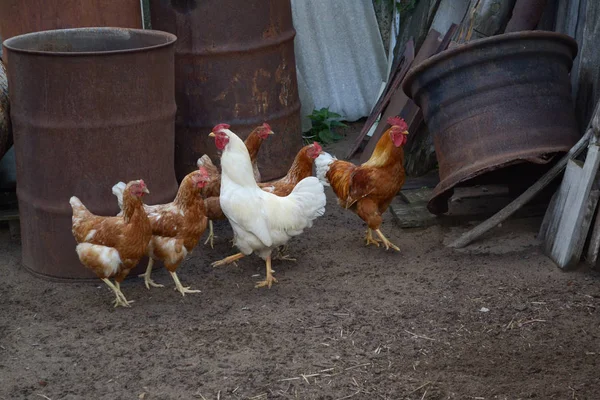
x: 495, y: 321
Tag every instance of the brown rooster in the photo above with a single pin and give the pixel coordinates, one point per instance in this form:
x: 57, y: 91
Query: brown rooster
x: 176, y: 226
x: 212, y: 189
x: 368, y: 189
x: 112, y: 246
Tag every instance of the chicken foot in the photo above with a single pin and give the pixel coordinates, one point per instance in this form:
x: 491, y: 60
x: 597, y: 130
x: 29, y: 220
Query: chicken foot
x: 369, y: 239
x: 211, y: 234
x: 182, y: 289
x: 282, y: 254
x: 147, y: 280
x: 120, y: 299
x: 270, y: 278
x: 228, y: 260
x: 385, y: 241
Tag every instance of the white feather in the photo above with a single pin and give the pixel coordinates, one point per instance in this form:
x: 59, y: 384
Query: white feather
x: 108, y: 257
x: 322, y: 164
x: 118, y: 190
x: 262, y: 220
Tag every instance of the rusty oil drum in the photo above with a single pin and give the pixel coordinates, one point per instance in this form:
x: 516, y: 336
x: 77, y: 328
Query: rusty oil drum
x: 18, y: 17
x: 234, y: 63
x: 496, y: 102
x: 90, y: 107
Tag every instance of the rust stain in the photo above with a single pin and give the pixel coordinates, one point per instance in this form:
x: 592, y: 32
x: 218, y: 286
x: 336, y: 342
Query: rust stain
x: 260, y: 97
x: 233, y: 76
x: 282, y: 76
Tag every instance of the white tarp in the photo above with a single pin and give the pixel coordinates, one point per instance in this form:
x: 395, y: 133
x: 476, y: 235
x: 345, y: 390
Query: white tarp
x: 339, y: 55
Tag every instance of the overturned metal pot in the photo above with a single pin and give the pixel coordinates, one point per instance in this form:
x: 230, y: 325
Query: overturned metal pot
x: 90, y: 107
x: 496, y: 102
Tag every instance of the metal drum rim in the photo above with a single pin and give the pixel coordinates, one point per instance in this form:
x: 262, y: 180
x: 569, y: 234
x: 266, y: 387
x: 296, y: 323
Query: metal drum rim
x: 170, y: 41
x: 415, y: 71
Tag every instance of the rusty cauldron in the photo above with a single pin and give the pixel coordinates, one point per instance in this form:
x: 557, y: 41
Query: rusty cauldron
x: 90, y: 107
x: 496, y: 102
x: 234, y: 63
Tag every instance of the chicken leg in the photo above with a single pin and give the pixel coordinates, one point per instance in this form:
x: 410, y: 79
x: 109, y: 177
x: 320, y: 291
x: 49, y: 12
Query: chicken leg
x: 270, y: 278
x: 120, y: 299
x: 385, y: 241
x: 211, y: 234
x: 370, y: 239
x: 178, y: 286
x: 147, y: 280
x: 228, y: 260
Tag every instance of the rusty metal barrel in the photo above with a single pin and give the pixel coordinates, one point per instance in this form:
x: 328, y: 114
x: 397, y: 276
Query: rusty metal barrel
x: 494, y: 103
x: 18, y: 17
x: 90, y: 107
x: 234, y: 63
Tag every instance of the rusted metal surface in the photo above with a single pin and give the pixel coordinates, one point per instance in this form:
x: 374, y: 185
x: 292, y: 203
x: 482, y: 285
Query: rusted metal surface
x: 89, y: 107
x: 496, y: 102
x: 6, y: 138
x: 234, y: 63
x: 18, y: 17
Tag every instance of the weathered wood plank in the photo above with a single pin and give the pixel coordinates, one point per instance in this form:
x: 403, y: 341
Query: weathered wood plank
x: 390, y: 89
x: 586, y: 72
x: 467, y: 204
x: 400, y: 100
x: 571, y: 217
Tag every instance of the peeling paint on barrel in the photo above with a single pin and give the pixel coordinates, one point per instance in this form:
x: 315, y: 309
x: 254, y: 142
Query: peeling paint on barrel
x: 234, y: 63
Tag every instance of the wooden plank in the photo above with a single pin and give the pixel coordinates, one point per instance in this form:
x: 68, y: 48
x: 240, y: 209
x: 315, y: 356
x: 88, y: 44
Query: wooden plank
x: 526, y: 196
x: 467, y: 204
x: 384, y: 100
x: 571, y: 216
x: 586, y: 71
x: 594, y: 245
x: 399, y: 99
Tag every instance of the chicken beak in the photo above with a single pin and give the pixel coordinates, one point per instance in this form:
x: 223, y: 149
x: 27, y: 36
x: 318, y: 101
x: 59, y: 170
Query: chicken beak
x: 271, y: 133
x: 146, y: 190
x: 212, y: 134
x: 405, y: 133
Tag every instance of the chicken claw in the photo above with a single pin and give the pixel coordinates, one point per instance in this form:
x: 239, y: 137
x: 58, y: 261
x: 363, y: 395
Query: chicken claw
x: 386, y: 242
x: 147, y: 280
x: 182, y: 289
x: 282, y: 254
x: 120, y: 299
x: 270, y: 278
x: 228, y: 260
x: 370, y: 239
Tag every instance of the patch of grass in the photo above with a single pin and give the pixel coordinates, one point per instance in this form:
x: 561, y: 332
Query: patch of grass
x: 324, y: 123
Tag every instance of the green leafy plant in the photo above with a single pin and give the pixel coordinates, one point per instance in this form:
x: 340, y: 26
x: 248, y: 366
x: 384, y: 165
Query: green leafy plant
x: 324, y: 123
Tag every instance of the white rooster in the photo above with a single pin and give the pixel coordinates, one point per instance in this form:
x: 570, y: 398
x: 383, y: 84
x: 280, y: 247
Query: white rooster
x: 261, y: 221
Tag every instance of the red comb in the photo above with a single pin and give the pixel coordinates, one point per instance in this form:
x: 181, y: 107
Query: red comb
x: 203, y: 171
x: 266, y: 126
x: 142, y: 183
x: 397, y: 121
x: 219, y: 127
x: 317, y: 146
